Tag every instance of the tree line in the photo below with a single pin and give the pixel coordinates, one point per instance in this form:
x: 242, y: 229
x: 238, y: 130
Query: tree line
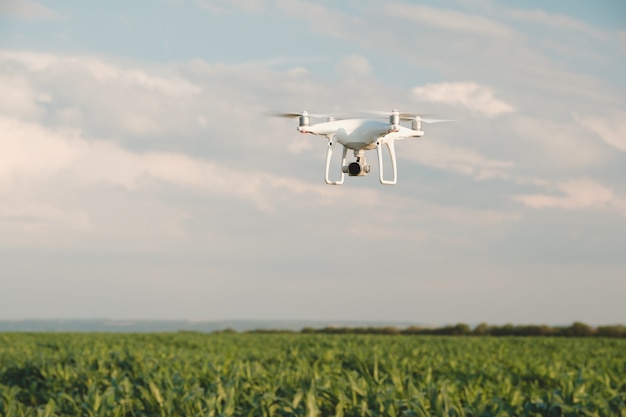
x: 576, y: 329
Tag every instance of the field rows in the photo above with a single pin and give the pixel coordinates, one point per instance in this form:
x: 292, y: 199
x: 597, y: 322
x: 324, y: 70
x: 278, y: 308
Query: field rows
x: 308, y: 375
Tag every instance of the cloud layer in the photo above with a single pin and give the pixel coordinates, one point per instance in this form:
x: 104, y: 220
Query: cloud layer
x: 470, y: 95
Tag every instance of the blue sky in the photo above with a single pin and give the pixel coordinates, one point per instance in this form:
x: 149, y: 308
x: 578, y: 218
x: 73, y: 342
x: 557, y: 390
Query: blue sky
x: 141, y: 179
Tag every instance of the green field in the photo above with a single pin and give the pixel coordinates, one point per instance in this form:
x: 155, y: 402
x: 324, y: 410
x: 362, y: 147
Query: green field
x: 185, y: 374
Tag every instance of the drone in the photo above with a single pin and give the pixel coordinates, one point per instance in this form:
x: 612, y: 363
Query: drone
x: 360, y: 135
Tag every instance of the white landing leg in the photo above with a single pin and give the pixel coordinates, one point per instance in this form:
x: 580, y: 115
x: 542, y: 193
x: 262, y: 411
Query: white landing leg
x: 392, y: 152
x: 329, y: 154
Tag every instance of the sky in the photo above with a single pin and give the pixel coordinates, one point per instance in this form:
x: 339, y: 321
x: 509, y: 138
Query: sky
x: 141, y: 177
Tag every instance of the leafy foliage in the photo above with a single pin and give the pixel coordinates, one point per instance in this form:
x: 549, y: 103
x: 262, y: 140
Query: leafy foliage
x: 577, y: 329
x: 309, y: 375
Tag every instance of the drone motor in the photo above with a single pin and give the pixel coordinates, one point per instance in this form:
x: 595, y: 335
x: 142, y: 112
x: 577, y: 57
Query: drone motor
x: 304, y: 120
x: 416, y: 124
x: 394, y: 121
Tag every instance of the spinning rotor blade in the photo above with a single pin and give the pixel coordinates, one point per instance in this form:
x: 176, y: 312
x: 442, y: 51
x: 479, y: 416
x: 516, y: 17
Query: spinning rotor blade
x: 286, y: 115
x: 402, y: 116
x: 411, y: 116
x: 435, y: 120
x: 296, y: 115
x: 383, y: 114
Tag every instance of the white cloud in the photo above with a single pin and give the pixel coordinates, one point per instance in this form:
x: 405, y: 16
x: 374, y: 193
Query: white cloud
x: 32, y: 153
x: 102, y: 72
x: 48, y: 174
x: 559, y: 21
x: 33, y: 61
x: 29, y: 150
x: 94, y: 94
x: 576, y: 194
x: 448, y: 20
x: 299, y: 145
x: 19, y: 97
x: 611, y: 129
x: 456, y: 159
x: 471, y: 95
x: 222, y: 6
x: 27, y: 9
x: 37, y: 217
x: 98, y: 70
x: 481, y: 217
x: 355, y: 67
x: 322, y: 19
x: 556, y: 146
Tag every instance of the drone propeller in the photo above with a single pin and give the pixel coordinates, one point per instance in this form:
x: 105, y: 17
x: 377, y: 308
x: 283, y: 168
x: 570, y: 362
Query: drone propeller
x: 395, y: 117
x: 401, y: 116
x: 435, y: 120
x: 296, y: 115
x: 416, y: 119
x: 416, y: 122
x: 304, y: 118
x: 286, y: 115
x: 413, y: 116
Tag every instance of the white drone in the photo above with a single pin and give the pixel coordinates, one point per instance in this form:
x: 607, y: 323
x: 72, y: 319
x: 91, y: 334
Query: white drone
x: 362, y: 135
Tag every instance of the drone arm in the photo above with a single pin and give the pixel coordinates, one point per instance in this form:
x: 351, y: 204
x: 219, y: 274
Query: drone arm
x: 329, y: 154
x: 392, y: 152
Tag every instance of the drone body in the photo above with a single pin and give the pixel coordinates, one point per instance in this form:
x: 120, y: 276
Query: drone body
x: 360, y: 135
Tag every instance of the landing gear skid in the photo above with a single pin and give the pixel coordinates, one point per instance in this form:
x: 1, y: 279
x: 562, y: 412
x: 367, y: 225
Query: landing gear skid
x: 329, y: 154
x: 392, y: 153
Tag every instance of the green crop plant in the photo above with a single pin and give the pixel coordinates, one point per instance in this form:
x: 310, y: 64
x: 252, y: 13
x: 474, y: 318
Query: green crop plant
x: 187, y: 374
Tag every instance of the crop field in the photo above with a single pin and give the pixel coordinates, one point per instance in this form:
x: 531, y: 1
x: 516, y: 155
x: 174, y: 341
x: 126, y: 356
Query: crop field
x: 186, y: 374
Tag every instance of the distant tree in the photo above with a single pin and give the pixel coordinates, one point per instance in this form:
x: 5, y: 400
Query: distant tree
x: 335, y: 330
x: 186, y: 331
x: 545, y: 330
x: 389, y: 330
x: 481, y: 330
x: 441, y: 331
x: 270, y: 331
x: 533, y: 330
x: 611, y: 331
x: 579, y: 329
x: 456, y: 330
x: 462, y: 329
x: 506, y: 330
x: 413, y: 330
x: 227, y: 330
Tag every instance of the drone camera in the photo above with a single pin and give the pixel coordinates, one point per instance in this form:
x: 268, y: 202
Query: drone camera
x: 357, y: 169
x: 354, y: 169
